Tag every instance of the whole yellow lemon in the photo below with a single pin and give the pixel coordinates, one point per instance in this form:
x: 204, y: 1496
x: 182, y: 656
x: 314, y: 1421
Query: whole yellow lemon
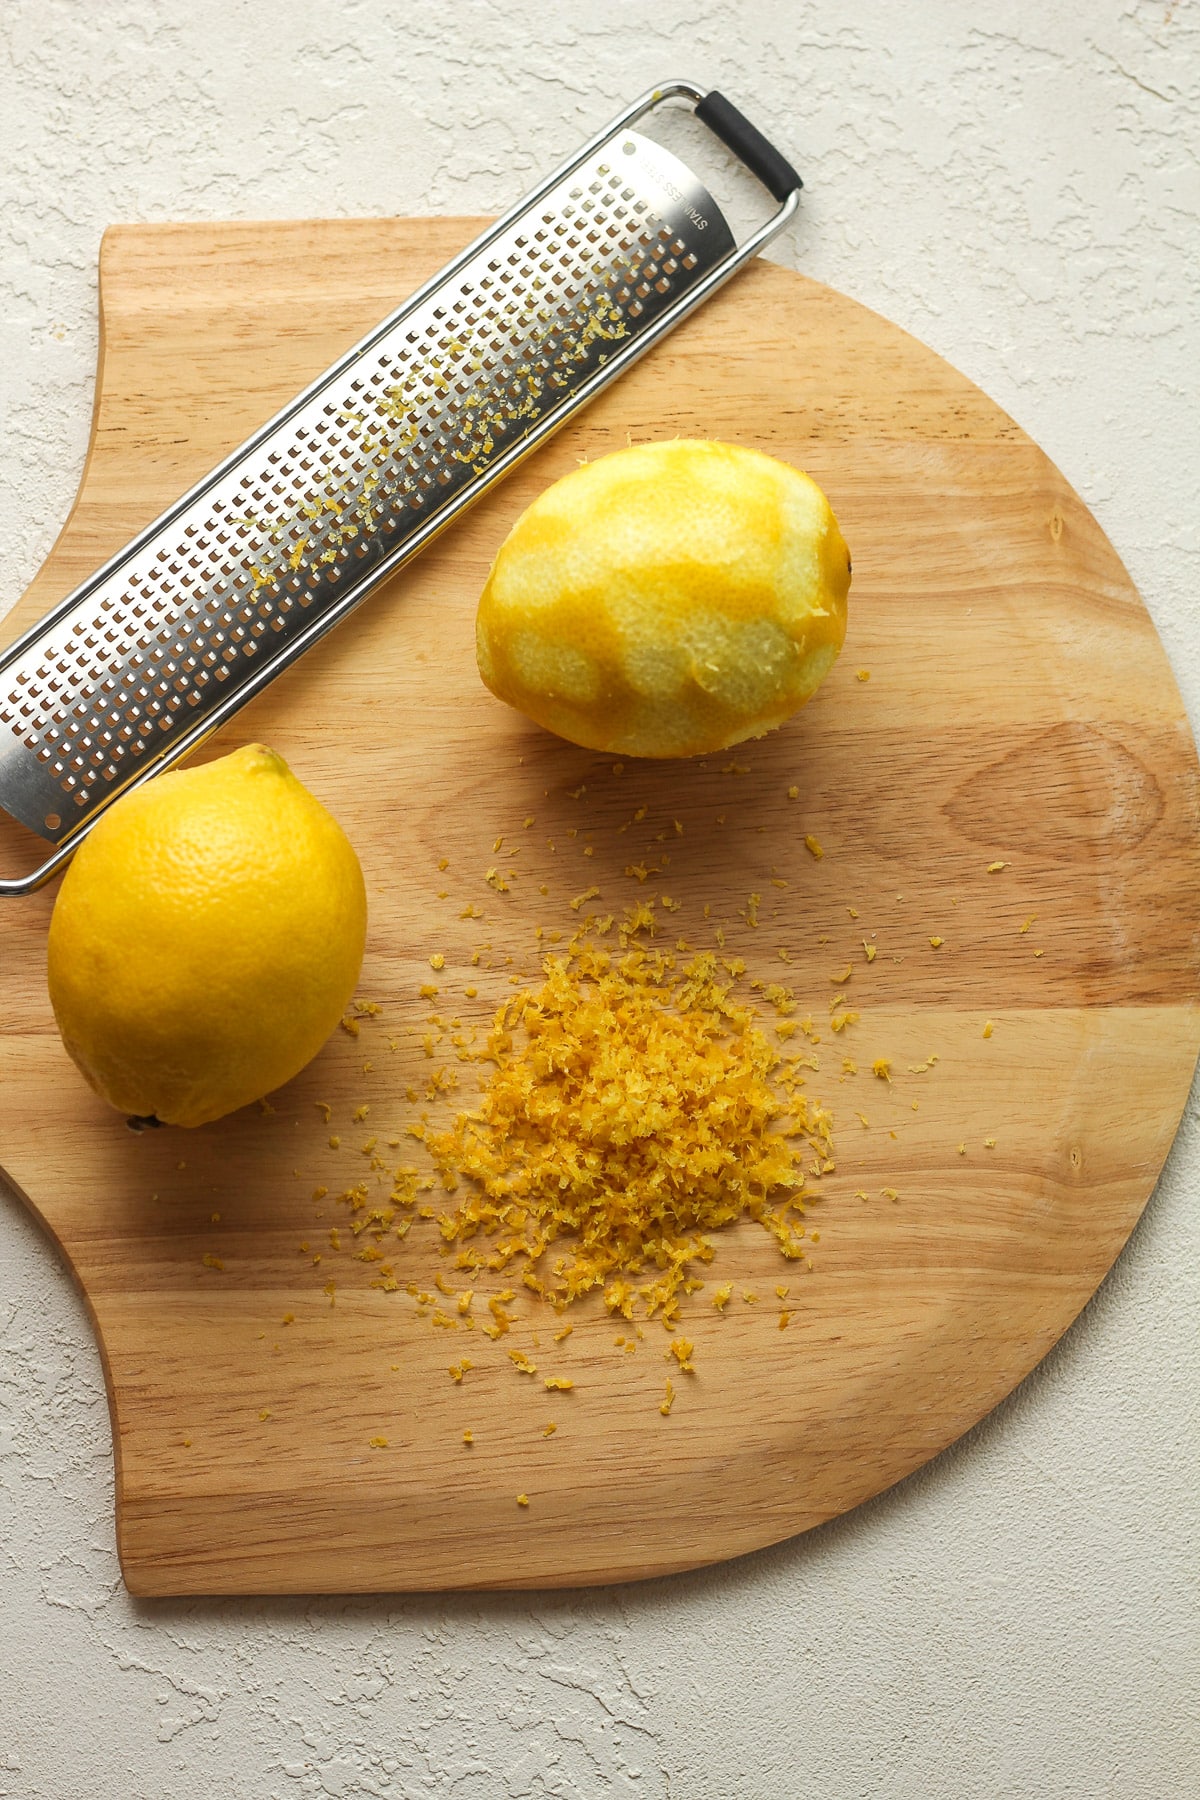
x: 667, y: 600
x: 206, y: 939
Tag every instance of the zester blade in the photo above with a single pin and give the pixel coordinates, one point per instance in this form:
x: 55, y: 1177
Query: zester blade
x: 267, y: 553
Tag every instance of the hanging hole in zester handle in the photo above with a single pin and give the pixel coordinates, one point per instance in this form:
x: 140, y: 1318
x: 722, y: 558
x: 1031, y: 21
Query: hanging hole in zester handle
x: 52, y: 822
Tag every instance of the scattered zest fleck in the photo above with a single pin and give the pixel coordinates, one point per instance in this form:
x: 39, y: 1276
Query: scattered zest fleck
x: 379, y: 1443
x: 522, y: 1499
x: 987, y: 1030
x: 668, y: 1399
x: 812, y: 846
x: 883, y: 1068
x: 935, y: 943
x: 995, y: 868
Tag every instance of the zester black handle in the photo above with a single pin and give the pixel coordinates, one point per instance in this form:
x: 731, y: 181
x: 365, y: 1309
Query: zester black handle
x: 747, y: 141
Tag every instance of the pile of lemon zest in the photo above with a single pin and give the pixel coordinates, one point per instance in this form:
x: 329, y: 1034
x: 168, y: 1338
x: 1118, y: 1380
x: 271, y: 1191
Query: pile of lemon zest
x: 628, y: 1112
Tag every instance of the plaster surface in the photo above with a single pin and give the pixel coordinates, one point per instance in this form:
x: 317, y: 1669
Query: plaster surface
x: 1019, y: 186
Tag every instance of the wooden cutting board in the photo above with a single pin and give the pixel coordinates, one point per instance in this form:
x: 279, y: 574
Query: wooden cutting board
x: 1019, y: 710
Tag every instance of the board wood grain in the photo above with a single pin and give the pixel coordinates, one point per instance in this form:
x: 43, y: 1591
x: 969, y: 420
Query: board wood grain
x: 1019, y: 710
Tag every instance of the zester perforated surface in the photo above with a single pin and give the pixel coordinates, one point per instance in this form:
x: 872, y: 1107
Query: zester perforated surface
x: 307, y: 516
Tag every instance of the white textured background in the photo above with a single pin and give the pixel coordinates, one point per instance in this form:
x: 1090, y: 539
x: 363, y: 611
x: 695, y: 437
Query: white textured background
x: 1018, y: 184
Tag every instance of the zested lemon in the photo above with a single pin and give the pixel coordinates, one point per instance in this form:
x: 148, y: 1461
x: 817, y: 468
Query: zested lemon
x: 667, y: 600
x: 206, y: 939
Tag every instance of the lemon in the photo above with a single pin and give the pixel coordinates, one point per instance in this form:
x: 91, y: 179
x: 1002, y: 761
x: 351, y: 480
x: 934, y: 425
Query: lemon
x: 206, y: 939
x: 667, y: 600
